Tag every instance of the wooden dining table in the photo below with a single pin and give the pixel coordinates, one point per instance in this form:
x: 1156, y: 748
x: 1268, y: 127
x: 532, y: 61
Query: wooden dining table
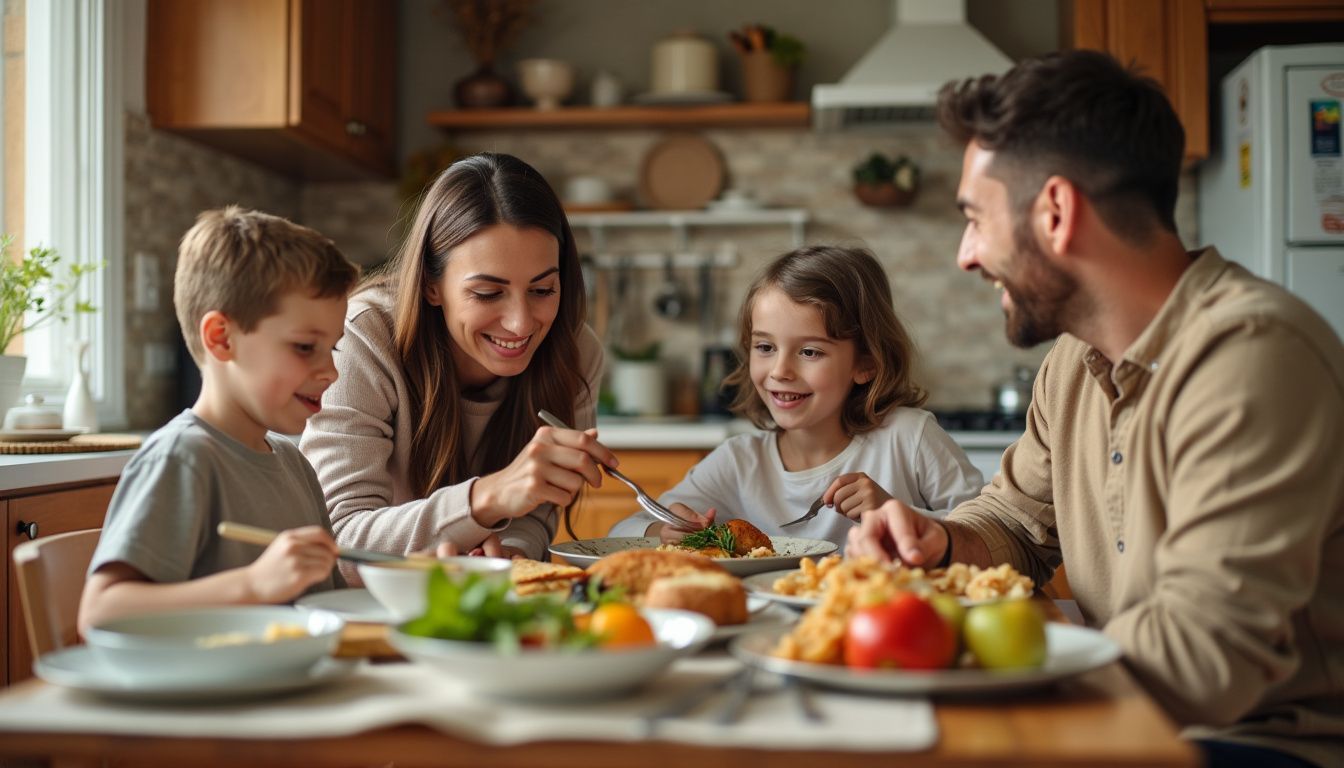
x: 1100, y: 718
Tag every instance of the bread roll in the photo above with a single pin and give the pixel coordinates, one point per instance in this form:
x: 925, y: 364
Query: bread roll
x: 635, y: 569
x: 719, y: 596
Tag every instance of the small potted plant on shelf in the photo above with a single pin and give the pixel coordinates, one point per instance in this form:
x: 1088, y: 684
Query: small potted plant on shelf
x: 770, y: 62
x: 33, y: 291
x: 885, y: 183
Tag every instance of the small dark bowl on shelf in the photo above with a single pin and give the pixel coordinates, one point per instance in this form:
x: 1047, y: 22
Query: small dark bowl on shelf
x: 884, y: 195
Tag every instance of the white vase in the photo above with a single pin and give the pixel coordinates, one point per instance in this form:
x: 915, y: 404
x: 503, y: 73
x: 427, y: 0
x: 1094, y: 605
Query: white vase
x: 11, y: 380
x: 639, y: 387
x: 80, y: 410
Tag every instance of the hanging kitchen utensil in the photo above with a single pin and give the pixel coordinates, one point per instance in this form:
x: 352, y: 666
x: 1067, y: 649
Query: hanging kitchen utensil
x: 670, y: 301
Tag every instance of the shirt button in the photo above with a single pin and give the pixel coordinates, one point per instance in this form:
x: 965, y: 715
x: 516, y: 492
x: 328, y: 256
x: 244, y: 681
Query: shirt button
x: 1153, y: 366
x: 1120, y: 545
x: 1117, y: 457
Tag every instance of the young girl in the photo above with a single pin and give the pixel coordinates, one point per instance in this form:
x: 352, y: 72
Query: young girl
x: 828, y: 375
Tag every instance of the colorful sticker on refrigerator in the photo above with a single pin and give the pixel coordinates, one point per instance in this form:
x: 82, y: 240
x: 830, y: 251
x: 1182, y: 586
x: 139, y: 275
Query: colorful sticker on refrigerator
x: 1325, y: 128
x: 1245, y: 157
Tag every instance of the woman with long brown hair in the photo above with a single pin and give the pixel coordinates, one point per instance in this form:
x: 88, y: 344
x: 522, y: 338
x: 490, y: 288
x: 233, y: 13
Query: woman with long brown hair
x: 430, y: 435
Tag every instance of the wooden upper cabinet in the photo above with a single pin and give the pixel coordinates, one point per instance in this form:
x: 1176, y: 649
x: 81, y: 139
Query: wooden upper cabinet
x: 1274, y: 11
x: 1168, y: 39
x: 306, y: 87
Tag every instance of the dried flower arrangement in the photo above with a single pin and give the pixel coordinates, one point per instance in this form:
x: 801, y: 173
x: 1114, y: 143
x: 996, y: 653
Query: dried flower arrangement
x: 489, y: 26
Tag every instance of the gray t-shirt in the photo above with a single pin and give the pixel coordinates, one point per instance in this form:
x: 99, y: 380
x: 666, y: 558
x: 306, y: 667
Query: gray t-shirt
x: 186, y: 479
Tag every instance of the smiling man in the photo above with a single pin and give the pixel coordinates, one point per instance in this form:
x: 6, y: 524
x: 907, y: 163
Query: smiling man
x: 1182, y: 447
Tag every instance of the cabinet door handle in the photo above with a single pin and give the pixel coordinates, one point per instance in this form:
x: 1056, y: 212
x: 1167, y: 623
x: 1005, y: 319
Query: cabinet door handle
x: 28, y: 529
x: 355, y: 128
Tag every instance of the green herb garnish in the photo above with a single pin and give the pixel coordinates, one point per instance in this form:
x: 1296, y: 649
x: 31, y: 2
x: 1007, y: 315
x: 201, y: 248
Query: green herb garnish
x: 719, y: 535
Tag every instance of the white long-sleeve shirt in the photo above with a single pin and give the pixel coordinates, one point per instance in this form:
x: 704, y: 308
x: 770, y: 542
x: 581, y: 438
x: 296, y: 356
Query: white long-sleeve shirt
x: 909, y: 456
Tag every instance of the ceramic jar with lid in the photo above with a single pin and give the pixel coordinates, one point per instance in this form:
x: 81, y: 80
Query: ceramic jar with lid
x: 684, y: 63
x: 32, y: 415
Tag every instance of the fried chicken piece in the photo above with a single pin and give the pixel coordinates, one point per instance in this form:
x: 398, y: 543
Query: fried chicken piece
x: 747, y: 537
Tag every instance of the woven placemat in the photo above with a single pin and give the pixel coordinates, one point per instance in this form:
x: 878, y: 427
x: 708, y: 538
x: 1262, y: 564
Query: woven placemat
x: 76, y: 444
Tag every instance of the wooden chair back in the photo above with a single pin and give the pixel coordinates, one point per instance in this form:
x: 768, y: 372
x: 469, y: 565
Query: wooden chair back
x: 51, y: 578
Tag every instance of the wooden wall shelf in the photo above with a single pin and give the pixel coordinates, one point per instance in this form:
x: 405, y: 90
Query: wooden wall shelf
x: 788, y: 114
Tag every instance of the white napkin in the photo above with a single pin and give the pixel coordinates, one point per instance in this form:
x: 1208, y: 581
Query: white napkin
x: 377, y: 696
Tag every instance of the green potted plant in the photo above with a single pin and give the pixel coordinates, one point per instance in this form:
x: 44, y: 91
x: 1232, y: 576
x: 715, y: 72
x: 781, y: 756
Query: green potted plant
x: 34, y: 290
x: 885, y: 183
x: 770, y: 62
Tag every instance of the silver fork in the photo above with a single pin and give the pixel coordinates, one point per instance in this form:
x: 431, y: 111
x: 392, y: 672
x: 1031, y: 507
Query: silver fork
x: 646, y: 502
x: 811, y: 513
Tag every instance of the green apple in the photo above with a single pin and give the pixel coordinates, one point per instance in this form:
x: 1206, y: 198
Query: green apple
x: 1008, y: 634
x: 951, y: 609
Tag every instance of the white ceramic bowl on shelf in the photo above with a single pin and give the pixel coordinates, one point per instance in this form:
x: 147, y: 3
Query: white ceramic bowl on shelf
x: 547, y: 81
x: 401, y: 587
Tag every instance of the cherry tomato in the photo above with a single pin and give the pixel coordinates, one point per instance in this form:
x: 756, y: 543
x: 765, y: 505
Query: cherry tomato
x: 905, y: 632
x: 620, y: 626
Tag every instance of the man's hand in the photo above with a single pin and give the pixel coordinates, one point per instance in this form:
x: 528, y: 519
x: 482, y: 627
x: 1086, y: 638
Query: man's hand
x: 894, y: 531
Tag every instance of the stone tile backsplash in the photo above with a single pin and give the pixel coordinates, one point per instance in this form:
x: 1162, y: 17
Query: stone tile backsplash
x: 954, y: 317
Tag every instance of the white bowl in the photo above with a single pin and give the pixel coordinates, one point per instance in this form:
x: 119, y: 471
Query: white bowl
x: 557, y: 674
x: 547, y: 81
x: 177, y: 645
x: 401, y: 587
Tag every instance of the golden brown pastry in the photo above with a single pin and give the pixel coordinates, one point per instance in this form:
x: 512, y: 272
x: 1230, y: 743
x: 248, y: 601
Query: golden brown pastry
x: 719, y: 596
x: 531, y: 577
x: 635, y: 569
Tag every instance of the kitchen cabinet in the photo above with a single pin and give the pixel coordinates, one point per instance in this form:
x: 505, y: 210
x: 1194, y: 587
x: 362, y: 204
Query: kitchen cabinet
x: 305, y: 87
x: 40, y: 512
x: 1170, y: 40
x: 600, y: 508
x: 1167, y: 38
x: 787, y: 114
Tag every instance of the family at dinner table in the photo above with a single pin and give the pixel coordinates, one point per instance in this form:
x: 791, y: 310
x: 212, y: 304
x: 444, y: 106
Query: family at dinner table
x: 1180, y: 455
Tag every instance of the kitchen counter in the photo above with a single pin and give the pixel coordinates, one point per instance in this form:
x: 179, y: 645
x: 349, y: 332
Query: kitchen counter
x: 37, y: 470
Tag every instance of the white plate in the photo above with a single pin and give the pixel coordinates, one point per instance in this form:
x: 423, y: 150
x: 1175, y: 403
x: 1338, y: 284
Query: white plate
x: 763, y: 584
x: 38, y: 435
x: 349, y: 604
x: 1072, y: 651
x: 80, y: 668
x: 558, y: 675
x: 588, y: 551
x: 765, y: 616
x: 684, y: 98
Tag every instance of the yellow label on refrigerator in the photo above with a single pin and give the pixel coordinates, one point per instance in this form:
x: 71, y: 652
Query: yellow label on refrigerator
x: 1245, y: 157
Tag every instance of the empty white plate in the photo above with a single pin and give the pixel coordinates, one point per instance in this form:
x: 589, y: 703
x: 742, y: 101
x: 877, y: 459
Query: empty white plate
x: 80, y: 668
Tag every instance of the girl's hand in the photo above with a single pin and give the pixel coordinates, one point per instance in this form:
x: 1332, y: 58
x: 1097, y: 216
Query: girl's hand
x: 550, y: 469
x: 853, y: 494
x: 297, y: 559
x: 671, y: 535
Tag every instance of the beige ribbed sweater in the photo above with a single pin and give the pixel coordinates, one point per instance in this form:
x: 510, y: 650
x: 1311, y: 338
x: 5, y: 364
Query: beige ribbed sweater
x: 360, y: 444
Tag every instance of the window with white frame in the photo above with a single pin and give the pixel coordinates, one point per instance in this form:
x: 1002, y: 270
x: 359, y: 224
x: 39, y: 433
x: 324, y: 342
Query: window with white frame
x: 72, y: 182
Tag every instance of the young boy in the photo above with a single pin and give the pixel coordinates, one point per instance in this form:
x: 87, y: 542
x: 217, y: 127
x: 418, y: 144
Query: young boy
x: 261, y: 302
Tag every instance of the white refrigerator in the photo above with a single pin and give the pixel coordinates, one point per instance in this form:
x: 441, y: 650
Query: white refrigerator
x: 1271, y: 195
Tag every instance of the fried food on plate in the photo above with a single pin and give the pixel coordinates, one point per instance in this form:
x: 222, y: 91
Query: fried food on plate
x: 531, y: 577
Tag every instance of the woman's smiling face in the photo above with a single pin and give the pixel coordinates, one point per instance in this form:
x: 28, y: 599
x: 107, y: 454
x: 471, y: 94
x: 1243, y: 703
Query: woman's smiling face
x: 499, y: 293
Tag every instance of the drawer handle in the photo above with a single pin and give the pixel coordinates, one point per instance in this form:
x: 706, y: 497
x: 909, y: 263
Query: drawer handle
x: 29, y: 529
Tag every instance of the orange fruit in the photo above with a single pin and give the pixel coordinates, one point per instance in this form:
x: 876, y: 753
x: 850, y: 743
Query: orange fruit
x: 620, y: 626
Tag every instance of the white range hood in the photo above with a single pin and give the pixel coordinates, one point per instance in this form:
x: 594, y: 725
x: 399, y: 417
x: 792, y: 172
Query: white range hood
x: 928, y: 44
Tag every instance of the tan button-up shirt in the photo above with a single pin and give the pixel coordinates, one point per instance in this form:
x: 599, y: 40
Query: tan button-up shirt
x: 1195, y: 491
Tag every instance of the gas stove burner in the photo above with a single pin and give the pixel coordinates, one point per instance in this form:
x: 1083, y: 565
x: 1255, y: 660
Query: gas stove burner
x: 979, y: 421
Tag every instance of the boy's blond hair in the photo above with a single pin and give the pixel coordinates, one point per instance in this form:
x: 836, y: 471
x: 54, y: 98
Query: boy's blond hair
x: 242, y: 262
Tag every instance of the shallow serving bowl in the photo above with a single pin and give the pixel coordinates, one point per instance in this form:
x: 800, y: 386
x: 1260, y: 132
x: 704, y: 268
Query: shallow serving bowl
x: 210, y: 645
x: 401, y: 586
x: 542, y: 674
